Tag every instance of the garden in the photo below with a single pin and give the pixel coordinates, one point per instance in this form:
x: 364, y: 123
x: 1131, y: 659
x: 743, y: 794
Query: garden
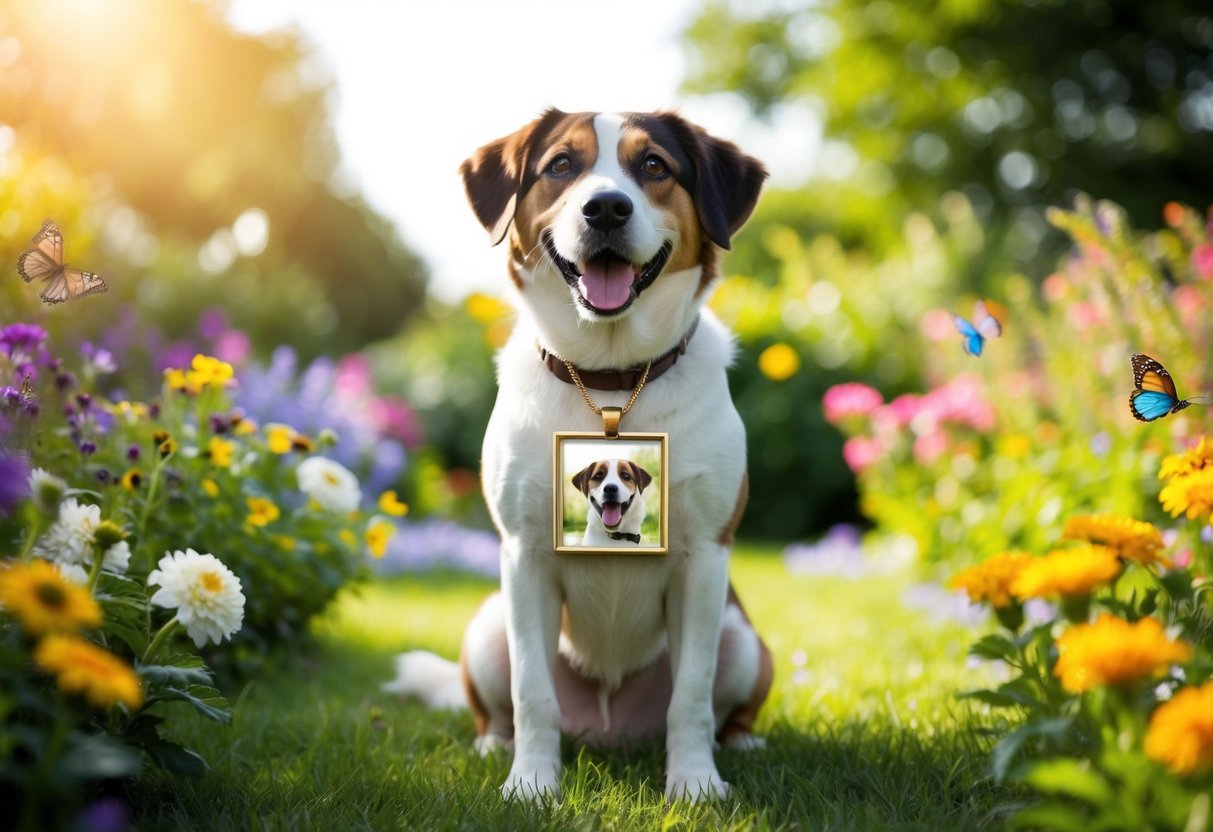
x: 239, y: 476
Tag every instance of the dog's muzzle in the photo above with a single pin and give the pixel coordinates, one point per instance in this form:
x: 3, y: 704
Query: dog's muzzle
x: 611, y: 512
x: 609, y: 282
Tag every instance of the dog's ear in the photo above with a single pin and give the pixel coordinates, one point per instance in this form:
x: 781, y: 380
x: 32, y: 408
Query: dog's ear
x: 581, y: 479
x: 494, y: 175
x: 727, y: 181
x: 642, y: 477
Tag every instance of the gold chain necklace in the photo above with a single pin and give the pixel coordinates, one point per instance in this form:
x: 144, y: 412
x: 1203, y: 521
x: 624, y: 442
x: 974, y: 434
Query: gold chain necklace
x: 610, y: 415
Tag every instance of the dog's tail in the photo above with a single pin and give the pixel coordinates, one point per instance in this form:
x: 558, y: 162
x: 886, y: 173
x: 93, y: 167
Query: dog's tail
x: 436, y: 681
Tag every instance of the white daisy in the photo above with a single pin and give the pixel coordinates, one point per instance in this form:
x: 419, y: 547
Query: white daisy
x: 70, y: 537
x: 204, y: 592
x: 117, y: 558
x: 329, y: 483
x: 46, y: 489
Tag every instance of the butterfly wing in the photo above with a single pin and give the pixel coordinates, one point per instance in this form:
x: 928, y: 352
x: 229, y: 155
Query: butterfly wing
x: 984, y: 322
x: 973, y: 340
x: 1148, y: 405
x: 1155, y: 395
x: 45, y: 257
x: 73, y: 283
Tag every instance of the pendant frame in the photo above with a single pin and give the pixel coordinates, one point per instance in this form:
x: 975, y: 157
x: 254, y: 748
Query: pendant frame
x: 573, y: 450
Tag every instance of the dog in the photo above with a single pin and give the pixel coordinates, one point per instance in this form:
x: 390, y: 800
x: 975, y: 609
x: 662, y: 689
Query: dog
x: 614, y: 225
x: 614, y: 492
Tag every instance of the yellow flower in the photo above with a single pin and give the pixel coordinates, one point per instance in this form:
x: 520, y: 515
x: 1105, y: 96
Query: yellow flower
x: 167, y: 448
x: 220, y: 451
x: 390, y: 504
x: 279, y: 438
x: 179, y: 382
x: 1112, y: 651
x: 348, y: 538
x: 81, y: 667
x: 485, y: 309
x: 1130, y: 539
x: 991, y: 580
x: 206, y: 371
x: 132, y: 479
x: 261, y: 511
x: 44, y: 601
x: 1067, y: 572
x: 1014, y: 445
x: 244, y: 426
x: 778, y: 362
x: 210, y: 487
x: 130, y: 411
x: 284, y: 542
x: 1180, y: 735
x: 1190, y: 494
x: 378, y: 533
x: 1192, y: 460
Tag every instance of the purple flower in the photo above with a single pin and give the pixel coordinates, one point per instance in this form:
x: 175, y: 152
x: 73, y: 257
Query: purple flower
x: 839, y: 553
x: 14, y: 478
x: 99, y: 360
x: 21, y: 340
x: 441, y: 543
x: 106, y: 815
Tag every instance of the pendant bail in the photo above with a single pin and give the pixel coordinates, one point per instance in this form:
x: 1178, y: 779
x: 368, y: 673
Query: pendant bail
x: 610, y: 421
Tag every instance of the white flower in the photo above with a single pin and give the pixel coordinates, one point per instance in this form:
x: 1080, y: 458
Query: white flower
x: 46, y: 489
x: 329, y: 483
x: 117, y: 558
x: 73, y: 572
x: 204, y: 592
x: 70, y: 537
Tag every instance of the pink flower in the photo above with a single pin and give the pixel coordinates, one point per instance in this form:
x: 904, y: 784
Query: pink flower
x: 851, y: 399
x: 930, y: 446
x: 1055, y: 288
x: 1202, y: 260
x: 937, y: 325
x: 860, y: 452
x: 905, y: 407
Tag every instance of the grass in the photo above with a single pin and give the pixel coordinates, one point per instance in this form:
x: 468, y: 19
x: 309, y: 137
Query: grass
x: 863, y: 727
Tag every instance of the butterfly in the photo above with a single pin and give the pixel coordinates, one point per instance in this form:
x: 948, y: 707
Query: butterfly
x: 1155, y: 395
x: 984, y: 327
x: 45, y: 262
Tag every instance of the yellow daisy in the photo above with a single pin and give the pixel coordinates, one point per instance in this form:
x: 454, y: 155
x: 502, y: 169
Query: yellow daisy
x: 279, y: 438
x: 390, y: 504
x: 1130, y: 539
x: 44, y: 601
x: 1180, y: 735
x: 378, y: 533
x: 779, y: 362
x: 1112, y: 651
x: 991, y: 581
x: 1078, y: 571
x: 81, y: 667
x: 1194, y: 459
x: 261, y: 511
x: 220, y: 451
x: 1189, y: 494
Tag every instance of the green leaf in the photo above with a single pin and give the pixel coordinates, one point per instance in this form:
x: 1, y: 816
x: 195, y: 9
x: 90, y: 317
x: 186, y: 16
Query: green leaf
x: 1004, y: 753
x: 180, y: 670
x: 206, y: 700
x: 175, y: 758
x: 1051, y: 816
x: 993, y: 646
x: 1073, y: 778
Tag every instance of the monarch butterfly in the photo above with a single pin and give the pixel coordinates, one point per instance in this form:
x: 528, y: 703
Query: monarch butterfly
x: 1155, y: 395
x: 45, y: 262
x: 984, y: 327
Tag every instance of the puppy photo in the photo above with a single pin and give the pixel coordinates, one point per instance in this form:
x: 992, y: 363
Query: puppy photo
x: 613, y: 225
x: 614, y: 491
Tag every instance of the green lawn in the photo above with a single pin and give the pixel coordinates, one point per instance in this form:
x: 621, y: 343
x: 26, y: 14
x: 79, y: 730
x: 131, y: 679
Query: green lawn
x: 863, y: 727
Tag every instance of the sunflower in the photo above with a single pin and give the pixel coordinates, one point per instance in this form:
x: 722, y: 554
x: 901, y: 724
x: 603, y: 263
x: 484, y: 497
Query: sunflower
x: 1194, y: 459
x: 1180, y: 735
x: 1112, y: 651
x: 1077, y: 571
x: 81, y: 667
x: 1130, y: 539
x: 991, y: 581
x: 1189, y: 494
x: 44, y: 601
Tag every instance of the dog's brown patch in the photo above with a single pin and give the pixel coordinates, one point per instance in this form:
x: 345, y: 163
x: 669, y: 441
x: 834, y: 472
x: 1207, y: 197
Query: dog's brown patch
x: 729, y: 533
x: 476, y: 705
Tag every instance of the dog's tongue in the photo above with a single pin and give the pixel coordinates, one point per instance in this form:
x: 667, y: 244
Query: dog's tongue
x: 607, y: 283
x: 612, y: 513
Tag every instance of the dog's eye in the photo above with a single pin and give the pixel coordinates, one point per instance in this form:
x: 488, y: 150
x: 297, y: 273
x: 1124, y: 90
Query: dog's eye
x: 561, y: 165
x: 625, y: 476
x: 653, y: 166
x: 599, y: 475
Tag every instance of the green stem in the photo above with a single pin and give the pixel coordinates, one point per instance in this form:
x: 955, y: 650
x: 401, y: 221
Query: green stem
x: 160, y: 638
x: 94, y: 573
x: 152, y: 484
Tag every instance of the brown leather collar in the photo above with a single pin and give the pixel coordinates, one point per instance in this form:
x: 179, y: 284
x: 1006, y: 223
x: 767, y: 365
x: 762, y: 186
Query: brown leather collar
x: 617, y: 379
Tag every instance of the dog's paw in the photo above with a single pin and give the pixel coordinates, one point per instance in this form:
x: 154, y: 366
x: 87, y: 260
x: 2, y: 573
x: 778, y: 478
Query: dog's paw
x: 491, y: 744
x: 534, y: 783
x: 695, y: 786
x: 745, y: 741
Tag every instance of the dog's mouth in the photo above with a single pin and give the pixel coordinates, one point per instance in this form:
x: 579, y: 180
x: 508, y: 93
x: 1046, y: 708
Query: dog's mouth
x: 607, y: 282
x: 611, y: 512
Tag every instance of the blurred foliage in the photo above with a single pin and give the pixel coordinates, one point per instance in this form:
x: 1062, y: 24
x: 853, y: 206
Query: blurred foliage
x: 190, y: 166
x: 1015, y: 103
x: 1054, y: 435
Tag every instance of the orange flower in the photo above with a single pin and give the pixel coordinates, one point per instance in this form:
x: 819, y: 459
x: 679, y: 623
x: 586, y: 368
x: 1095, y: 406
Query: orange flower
x: 1112, y: 651
x: 991, y: 581
x: 1130, y: 539
x: 1180, y: 735
x: 1078, y: 571
x: 44, y: 601
x: 81, y: 667
x: 1189, y: 494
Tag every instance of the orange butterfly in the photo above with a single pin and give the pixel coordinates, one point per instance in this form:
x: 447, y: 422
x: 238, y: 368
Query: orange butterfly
x: 45, y: 262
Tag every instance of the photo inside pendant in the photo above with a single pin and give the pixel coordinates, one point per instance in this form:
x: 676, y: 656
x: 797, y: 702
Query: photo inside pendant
x: 611, y: 494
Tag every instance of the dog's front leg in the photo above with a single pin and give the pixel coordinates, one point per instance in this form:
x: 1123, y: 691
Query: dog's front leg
x: 532, y: 630
x: 694, y: 611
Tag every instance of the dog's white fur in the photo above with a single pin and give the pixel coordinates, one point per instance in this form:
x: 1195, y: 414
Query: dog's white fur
x: 620, y: 614
x: 596, y: 532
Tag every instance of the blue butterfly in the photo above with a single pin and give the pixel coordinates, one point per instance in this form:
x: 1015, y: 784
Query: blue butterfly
x: 984, y: 327
x: 1155, y: 395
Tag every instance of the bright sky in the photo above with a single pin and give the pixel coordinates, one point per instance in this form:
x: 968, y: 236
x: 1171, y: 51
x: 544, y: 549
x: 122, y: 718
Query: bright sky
x: 423, y: 83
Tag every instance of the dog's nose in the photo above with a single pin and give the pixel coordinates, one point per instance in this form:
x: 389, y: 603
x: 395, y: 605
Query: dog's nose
x: 607, y: 210
x: 611, y: 490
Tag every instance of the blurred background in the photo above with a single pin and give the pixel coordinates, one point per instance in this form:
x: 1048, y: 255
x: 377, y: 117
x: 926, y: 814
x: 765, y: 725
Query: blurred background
x: 275, y: 184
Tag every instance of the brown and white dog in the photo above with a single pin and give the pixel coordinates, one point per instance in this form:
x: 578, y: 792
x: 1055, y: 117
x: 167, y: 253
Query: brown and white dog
x: 614, y: 493
x: 614, y: 225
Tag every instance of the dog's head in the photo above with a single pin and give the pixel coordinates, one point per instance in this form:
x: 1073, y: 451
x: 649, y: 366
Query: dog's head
x: 602, y: 205
x: 612, y: 486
